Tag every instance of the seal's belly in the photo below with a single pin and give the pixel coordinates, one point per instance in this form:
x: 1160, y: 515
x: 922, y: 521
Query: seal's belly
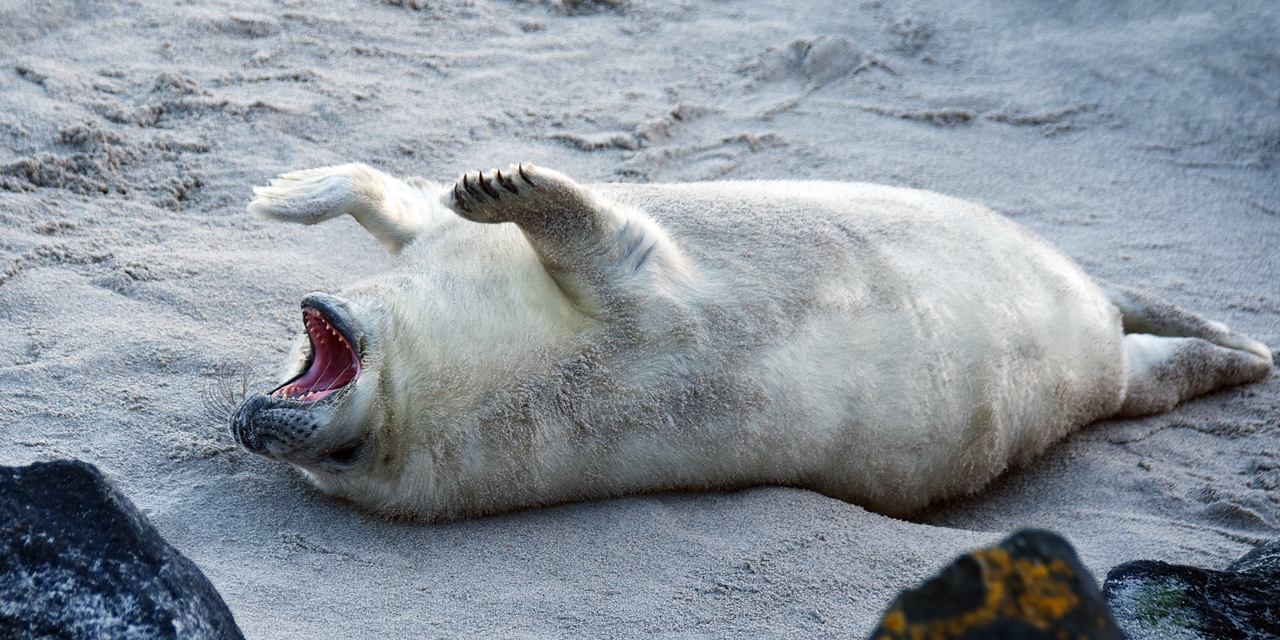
x: 908, y: 345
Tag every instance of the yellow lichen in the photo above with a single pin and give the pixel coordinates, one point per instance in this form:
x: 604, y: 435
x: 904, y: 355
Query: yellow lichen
x: 1035, y: 593
x: 894, y: 622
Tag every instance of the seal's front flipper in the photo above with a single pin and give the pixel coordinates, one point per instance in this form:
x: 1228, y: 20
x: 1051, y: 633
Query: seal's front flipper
x: 394, y: 211
x: 602, y: 254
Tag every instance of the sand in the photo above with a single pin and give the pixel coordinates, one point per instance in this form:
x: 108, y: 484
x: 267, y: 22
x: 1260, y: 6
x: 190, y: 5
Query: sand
x: 1143, y: 138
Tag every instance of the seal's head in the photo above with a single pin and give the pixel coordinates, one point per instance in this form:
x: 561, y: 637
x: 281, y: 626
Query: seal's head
x: 325, y: 418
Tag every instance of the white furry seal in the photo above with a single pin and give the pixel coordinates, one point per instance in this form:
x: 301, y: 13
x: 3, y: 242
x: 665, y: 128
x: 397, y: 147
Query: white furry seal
x: 884, y: 346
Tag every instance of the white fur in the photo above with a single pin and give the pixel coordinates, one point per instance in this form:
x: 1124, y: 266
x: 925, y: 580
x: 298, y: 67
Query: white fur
x: 884, y: 346
x: 393, y: 211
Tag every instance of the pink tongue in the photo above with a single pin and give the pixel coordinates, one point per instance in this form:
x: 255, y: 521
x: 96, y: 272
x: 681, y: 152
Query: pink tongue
x: 334, y: 363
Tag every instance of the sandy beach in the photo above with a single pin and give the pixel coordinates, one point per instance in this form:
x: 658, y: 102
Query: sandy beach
x: 1141, y: 138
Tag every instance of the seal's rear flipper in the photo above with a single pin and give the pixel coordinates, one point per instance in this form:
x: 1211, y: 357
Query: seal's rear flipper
x: 1173, y: 355
x: 1145, y: 313
x: 394, y: 211
x: 603, y: 255
x: 1164, y: 371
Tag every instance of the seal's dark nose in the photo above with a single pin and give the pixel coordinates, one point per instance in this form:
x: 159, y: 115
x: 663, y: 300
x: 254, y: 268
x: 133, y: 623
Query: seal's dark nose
x: 271, y: 427
x: 244, y: 426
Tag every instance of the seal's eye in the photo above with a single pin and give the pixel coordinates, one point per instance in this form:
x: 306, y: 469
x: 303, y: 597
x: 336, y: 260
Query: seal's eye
x: 347, y: 453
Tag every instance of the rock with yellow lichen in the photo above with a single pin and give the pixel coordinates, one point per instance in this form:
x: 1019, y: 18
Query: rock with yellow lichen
x: 1031, y: 586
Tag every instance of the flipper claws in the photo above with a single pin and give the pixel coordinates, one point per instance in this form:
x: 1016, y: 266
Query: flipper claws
x: 507, y: 183
x: 484, y: 184
x: 471, y: 189
x: 457, y: 197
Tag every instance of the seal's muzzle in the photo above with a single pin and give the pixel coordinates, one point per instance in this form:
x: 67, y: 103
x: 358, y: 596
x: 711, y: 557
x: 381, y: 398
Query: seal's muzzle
x: 281, y: 422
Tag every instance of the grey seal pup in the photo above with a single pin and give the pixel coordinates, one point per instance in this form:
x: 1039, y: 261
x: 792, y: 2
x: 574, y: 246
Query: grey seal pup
x: 544, y: 341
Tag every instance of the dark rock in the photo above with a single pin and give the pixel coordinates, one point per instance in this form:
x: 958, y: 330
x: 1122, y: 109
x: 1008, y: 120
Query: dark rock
x: 1031, y: 586
x: 1154, y: 599
x: 78, y: 560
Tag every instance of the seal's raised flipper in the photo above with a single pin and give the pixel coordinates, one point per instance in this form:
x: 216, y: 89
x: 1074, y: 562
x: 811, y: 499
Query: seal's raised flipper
x: 600, y: 253
x: 1174, y: 355
x: 394, y: 211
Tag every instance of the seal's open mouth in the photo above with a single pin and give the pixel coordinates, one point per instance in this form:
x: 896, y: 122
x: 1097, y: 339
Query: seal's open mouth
x: 334, y: 362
